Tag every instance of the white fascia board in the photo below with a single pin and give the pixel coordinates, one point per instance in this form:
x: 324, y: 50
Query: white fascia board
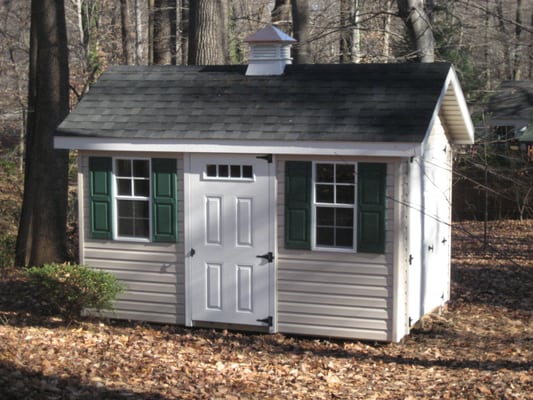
x: 452, y: 82
x: 377, y: 149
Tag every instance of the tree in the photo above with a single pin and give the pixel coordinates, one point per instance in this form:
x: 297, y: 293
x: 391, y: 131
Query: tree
x: 301, y: 28
x: 42, y: 228
x: 208, y: 43
x: 164, y: 32
x: 418, y: 25
x: 281, y: 15
x: 350, y: 35
x: 128, y: 32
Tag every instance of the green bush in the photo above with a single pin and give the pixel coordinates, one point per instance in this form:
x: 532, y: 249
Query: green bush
x: 67, y: 289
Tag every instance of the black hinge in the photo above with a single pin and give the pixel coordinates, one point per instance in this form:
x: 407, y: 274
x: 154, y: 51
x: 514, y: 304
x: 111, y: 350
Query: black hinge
x: 267, y: 157
x: 267, y: 320
x: 192, y: 253
x: 410, y: 321
x: 268, y: 256
x: 411, y: 259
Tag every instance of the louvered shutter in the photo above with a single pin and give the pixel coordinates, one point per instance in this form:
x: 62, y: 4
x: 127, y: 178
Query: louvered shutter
x: 100, y: 197
x: 164, y: 200
x: 298, y: 204
x: 371, y: 186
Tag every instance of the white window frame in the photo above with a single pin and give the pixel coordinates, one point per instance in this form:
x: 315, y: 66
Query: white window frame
x: 229, y: 177
x: 117, y: 197
x: 315, y: 204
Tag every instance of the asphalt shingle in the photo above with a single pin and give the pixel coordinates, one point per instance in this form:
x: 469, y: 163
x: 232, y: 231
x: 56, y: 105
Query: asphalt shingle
x: 364, y: 102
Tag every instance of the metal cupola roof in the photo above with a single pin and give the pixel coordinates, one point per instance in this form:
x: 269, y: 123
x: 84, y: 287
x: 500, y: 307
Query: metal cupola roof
x: 269, y: 34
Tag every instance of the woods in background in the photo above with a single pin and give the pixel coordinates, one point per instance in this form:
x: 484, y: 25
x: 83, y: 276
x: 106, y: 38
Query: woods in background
x: 46, y: 69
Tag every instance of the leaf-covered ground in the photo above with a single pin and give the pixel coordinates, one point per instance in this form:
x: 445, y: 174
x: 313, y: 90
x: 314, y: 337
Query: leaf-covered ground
x: 481, y: 347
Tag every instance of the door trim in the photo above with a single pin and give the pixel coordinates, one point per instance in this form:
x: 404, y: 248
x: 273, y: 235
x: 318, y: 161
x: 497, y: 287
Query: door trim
x: 272, y: 242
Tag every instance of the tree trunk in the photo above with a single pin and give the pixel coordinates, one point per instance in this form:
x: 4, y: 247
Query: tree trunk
x: 42, y: 228
x: 419, y: 28
x: 128, y: 33
x: 350, y: 36
x: 183, y: 29
x: 517, y: 46
x: 164, y: 36
x: 300, y: 23
x: 141, y: 32
x: 281, y: 15
x: 207, y: 32
x: 386, y: 31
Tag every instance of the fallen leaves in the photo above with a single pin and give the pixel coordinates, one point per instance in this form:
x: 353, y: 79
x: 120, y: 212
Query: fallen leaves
x: 481, y: 347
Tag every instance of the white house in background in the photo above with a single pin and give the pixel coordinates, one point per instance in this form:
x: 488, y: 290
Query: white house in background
x: 302, y: 199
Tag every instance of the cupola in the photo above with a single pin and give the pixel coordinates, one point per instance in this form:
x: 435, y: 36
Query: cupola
x: 270, y: 51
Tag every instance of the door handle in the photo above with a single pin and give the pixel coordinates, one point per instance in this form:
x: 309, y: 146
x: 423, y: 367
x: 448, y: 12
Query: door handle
x: 268, y: 256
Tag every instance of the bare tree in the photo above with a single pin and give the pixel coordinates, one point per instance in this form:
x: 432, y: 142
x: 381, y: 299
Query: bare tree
x: 350, y: 34
x: 208, y: 43
x: 42, y: 228
x: 164, y: 32
x: 301, y: 28
x: 281, y: 15
x: 419, y: 27
x: 128, y: 32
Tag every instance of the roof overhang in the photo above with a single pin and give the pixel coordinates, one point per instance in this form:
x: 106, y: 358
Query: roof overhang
x: 453, y: 109
x: 371, y: 149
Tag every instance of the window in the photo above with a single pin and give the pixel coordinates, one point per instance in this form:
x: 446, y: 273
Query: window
x: 133, y: 199
x: 233, y: 172
x: 336, y: 206
x: 132, y: 182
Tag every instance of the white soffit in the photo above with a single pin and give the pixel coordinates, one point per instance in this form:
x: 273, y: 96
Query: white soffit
x: 456, y: 116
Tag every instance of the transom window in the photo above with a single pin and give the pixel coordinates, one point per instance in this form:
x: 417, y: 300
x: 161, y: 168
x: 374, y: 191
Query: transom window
x: 231, y: 171
x: 334, y: 205
x: 132, y: 180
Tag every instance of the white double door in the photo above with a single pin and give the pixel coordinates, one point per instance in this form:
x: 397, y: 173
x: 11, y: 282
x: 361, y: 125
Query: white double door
x: 231, y: 224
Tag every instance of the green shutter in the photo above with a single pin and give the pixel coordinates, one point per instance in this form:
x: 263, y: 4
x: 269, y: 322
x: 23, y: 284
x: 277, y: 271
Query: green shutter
x: 100, y: 197
x: 298, y: 204
x: 371, y: 186
x: 164, y: 200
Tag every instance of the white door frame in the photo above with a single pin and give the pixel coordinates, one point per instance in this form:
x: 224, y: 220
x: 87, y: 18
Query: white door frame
x: 272, y: 242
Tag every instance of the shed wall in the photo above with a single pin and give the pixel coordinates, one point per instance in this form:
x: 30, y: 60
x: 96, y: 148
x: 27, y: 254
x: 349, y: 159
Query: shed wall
x: 333, y: 293
x: 152, y: 272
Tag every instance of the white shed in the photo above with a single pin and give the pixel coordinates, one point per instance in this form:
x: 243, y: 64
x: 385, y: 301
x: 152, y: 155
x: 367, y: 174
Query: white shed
x: 306, y: 199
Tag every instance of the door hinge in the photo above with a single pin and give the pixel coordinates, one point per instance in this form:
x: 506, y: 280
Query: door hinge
x: 411, y: 259
x: 268, y: 256
x: 410, y: 321
x: 192, y: 253
x: 267, y: 157
x: 267, y: 320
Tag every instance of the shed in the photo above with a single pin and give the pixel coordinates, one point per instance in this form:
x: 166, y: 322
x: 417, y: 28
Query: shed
x: 510, y: 107
x: 306, y: 199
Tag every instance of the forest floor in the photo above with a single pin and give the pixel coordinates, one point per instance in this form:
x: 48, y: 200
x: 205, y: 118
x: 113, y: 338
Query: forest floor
x: 480, y: 347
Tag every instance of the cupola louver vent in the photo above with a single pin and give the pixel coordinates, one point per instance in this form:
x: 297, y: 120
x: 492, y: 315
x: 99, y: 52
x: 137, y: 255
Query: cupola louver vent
x: 270, y: 51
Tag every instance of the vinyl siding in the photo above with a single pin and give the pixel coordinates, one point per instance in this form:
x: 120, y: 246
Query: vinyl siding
x: 153, y: 273
x: 437, y: 164
x: 331, y: 293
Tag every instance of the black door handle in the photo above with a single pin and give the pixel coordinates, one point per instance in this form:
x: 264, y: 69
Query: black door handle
x: 268, y: 256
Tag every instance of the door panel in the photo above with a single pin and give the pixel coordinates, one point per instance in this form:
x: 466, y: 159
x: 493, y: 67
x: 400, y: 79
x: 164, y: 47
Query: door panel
x: 230, y: 225
x: 244, y: 221
x: 213, y: 220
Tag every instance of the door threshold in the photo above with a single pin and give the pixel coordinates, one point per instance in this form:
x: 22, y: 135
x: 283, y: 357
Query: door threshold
x: 231, y: 327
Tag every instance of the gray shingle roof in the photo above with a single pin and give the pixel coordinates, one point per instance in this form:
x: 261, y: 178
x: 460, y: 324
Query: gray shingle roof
x: 512, y: 100
x: 364, y: 102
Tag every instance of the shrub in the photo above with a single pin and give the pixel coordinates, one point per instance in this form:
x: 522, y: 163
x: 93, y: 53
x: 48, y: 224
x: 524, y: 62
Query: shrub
x: 67, y: 289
